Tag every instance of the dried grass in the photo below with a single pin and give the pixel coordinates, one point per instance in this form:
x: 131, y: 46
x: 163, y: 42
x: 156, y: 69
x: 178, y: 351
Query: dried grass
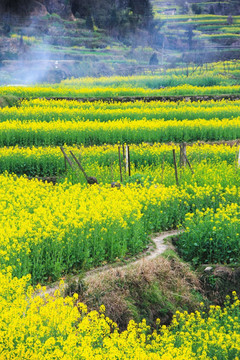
x: 151, y: 288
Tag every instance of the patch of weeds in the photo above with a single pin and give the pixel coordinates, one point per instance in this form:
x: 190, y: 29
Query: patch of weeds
x: 140, y: 179
x: 8, y: 100
x: 75, y: 285
x: 150, y: 289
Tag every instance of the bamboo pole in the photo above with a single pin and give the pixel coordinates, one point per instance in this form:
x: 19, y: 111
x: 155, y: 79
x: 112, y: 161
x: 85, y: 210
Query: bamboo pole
x: 126, y: 159
x: 175, y: 166
x: 188, y: 162
x: 120, y: 165
x: 129, y: 163
x: 183, y: 154
x: 66, y: 157
x: 79, y: 165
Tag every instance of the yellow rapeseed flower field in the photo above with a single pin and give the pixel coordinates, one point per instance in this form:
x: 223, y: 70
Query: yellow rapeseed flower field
x: 39, y: 326
x: 49, y: 230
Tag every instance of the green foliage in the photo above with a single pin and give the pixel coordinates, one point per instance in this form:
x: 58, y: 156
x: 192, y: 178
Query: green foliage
x: 196, y: 8
x: 34, y: 134
x: 8, y: 100
x: 140, y: 179
x: 122, y: 16
x: 212, y: 236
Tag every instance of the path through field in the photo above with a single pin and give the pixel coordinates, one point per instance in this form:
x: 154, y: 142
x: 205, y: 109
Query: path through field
x: 160, y: 244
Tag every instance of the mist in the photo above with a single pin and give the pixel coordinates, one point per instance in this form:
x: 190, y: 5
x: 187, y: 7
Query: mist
x: 47, y: 41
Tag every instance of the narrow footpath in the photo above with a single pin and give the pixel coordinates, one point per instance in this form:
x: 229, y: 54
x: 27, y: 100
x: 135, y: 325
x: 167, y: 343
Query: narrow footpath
x: 160, y: 247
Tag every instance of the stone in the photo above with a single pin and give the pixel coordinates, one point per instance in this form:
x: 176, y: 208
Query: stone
x: 208, y: 269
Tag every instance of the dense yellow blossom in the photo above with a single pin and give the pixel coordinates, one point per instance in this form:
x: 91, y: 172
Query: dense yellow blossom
x: 37, y: 326
x: 47, y: 230
x: 212, y: 235
x: 111, y: 92
x: 131, y: 131
x: 51, y: 110
x: 102, y: 161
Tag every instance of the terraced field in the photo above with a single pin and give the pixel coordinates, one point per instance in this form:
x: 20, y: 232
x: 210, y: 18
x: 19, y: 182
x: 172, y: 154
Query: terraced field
x: 40, y: 122
x: 48, y: 231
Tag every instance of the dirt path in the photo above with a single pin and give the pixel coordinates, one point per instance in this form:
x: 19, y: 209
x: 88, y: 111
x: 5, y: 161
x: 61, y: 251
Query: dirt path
x: 160, y: 247
x: 163, y: 98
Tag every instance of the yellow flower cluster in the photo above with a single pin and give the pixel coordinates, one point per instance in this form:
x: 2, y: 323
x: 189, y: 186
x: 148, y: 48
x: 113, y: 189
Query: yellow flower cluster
x: 27, y: 39
x: 45, y: 110
x: 212, y: 235
x: 102, y: 161
x: 37, y: 326
x: 111, y: 92
x: 125, y: 130
x: 48, y: 230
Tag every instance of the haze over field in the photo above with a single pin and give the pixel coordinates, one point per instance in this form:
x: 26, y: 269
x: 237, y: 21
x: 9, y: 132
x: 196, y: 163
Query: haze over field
x: 49, y: 41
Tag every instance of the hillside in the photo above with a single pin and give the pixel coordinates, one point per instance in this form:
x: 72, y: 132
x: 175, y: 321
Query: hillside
x: 49, y: 41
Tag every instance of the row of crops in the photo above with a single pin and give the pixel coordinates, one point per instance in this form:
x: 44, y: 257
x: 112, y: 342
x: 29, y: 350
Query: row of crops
x: 63, y: 110
x: 221, y: 68
x: 215, y: 28
x: 30, y: 139
x: 47, y: 123
x: 90, y: 133
x: 50, y: 230
x: 103, y: 161
x: 207, y: 79
x: 110, y: 92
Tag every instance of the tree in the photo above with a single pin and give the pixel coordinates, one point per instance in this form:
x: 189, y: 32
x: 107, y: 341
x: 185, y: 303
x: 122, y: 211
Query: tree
x: 153, y: 59
x: 196, y: 9
x: 89, y: 22
x: 142, y: 9
x: 190, y: 35
x: 211, y: 11
x: 19, y: 7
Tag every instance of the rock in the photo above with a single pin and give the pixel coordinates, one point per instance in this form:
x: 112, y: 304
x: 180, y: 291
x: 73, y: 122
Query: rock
x: 115, y: 184
x: 38, y: 8
x: 223, y: 272
x: 92, y: 180
x: 208, y: 269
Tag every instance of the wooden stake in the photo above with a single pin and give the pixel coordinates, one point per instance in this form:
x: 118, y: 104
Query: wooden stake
x: 163, y: 166
x: 112, y: 170
x: 183, y: 154
x: 79, y: 165
x: 175, y: 166
x: 66, y: 157
x: 188, y: 162
x: 120, y: 165
x: 238, y: 161
x: 129, y: 163
x: 65, y: 163
x: 123, y: 152
x: 126, y: 159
